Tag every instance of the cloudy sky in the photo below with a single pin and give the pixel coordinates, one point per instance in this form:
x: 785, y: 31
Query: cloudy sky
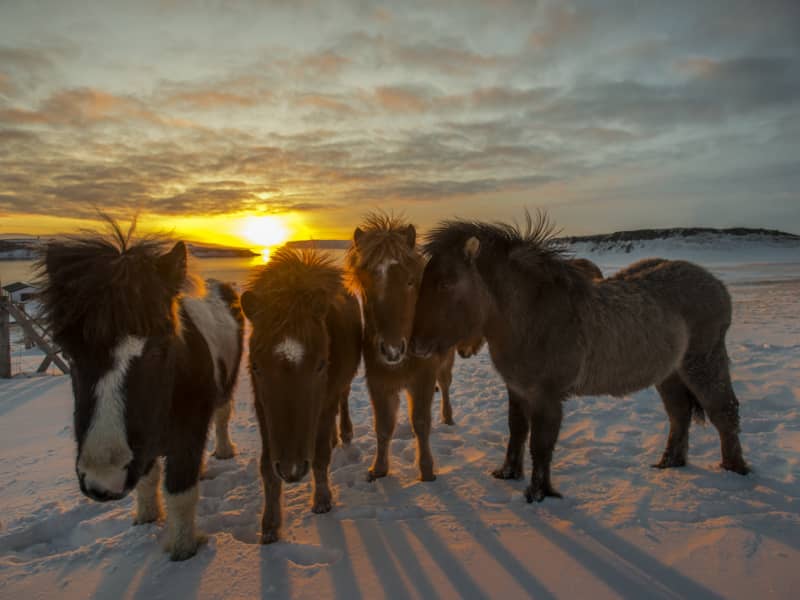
x: 611, y: 115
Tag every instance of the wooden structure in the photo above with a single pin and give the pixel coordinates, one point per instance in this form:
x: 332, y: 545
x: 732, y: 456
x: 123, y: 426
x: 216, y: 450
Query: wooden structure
x: 32, y: 330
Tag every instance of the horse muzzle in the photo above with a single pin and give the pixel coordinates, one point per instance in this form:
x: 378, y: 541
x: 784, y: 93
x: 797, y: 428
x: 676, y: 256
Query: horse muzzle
x: 98, y: 492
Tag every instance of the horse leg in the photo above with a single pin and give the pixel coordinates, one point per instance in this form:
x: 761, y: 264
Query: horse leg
x: 546, y: 416
x: 445, y: 378
x: 678, y: 401
x: 322, y: 459
x: 148, y: 496
x: 224, y: 448
x: 345, y: 424
x: 707, y: 375
x: 181, y: 483
x: 384, y: 407
x: 271, y: 517
x: 421, y: 401
x: 518, y: 427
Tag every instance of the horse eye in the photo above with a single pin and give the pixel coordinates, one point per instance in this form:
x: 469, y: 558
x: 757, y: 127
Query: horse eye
x: 410, y: 282
x: 321, y: 366
x: 254, y: 369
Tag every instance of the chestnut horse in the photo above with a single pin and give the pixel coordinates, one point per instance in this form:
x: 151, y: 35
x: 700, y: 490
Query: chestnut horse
x: 553, y: 333
x: 153, y: 354
x: 304, y: 352
x: 384, y: 268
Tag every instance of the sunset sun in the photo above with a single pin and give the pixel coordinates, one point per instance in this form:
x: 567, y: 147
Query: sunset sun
x: 265, y: 231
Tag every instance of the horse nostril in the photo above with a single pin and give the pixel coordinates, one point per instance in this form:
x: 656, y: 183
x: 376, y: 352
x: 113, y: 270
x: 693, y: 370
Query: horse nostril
x: 403, y: 346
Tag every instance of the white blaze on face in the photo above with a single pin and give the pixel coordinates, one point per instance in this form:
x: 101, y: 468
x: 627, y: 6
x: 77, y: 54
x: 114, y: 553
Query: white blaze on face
x: 382, y: 271
x: 291, y: 350
x: 105, y: 452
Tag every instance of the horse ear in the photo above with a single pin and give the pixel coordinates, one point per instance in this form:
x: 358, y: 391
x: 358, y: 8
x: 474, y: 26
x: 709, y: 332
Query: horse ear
x: 357, y: 235
x: 250, y: 305
x: 472, y: 248
x: 172, y: 266
x: 411, y: 236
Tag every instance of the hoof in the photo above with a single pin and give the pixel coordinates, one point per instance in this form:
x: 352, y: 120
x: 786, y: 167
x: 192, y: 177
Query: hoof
x: 346, y: 438
x: 507, y: 472
x: 269, y: 537
x: 540, y: 492
x: 427, y: 476
x: 667, y: 462
x: 448, y: 421
x: 321, y: 507
x: 740, y: 467
x: 224, y: 453
x: 186, y: 549
x: 142, y: 518
x: 374, y: 473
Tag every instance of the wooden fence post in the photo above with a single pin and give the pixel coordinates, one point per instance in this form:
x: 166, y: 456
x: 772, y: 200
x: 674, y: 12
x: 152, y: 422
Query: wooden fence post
x: 5, y: 340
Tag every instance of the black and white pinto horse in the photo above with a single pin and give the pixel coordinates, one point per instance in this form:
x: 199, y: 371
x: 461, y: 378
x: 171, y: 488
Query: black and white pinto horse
x: 154, y: 354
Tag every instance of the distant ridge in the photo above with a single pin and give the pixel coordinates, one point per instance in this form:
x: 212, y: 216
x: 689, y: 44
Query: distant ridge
x: 637, y: 235
x: 319, y: 244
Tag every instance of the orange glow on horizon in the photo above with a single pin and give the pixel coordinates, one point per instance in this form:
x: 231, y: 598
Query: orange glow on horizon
x: 257, y: 232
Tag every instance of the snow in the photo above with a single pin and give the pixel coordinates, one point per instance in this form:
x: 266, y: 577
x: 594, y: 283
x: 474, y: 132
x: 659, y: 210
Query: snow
x: 623, y: 529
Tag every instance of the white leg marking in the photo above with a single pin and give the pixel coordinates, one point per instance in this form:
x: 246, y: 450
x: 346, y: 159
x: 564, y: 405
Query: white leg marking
x: 105, y: 452
x: 148, y: 497
x: 216, y: 324
x: 224, y: 447
x: 291, y: 350
x: 182, y: 537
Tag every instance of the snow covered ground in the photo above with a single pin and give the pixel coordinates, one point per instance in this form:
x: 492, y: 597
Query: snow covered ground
x: 623, y: 529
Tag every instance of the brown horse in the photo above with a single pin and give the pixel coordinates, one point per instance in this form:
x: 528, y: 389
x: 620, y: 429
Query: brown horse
x: 590, y: 269
x: 304, y: 352
x: 553, y: 333
x: 384, y: 268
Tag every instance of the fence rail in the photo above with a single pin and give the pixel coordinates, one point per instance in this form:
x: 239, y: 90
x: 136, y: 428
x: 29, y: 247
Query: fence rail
x: 33, y: 331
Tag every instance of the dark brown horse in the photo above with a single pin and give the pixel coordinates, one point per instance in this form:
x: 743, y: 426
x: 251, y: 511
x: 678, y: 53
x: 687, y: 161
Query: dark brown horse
x: 153, y: 353
x: 470, y: 348
x: 384, y: 268
x: 553, y: 333
x: 304, y: 352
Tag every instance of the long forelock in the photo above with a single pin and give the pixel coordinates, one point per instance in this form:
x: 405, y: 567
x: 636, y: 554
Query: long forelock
x: 384, y: 240
x: 101, y: 287
x: 289, y: 286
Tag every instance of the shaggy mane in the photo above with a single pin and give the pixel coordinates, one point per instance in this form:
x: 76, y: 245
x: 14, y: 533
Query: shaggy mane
x: 384, y: 239
x: 289, y: 284
x: 532, y: 246
x: 96, y: 286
